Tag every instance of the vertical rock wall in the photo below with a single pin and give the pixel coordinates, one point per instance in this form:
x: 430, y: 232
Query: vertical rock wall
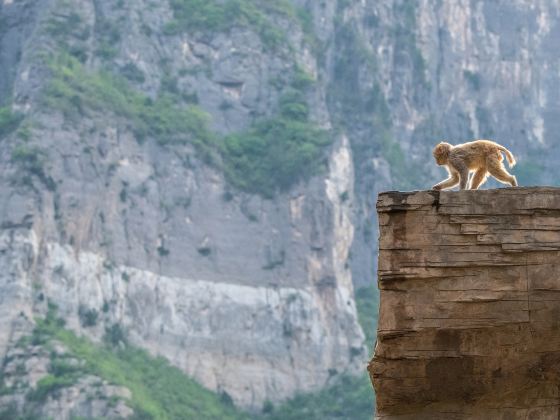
x: 470, y: 303
x: 251, y: 296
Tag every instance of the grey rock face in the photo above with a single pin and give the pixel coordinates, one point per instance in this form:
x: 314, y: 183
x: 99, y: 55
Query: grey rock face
x: 250, y: 296
x: 222, y: 308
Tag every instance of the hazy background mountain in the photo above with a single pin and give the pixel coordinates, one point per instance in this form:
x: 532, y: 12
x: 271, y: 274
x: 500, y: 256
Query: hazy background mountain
x: 187, y: 188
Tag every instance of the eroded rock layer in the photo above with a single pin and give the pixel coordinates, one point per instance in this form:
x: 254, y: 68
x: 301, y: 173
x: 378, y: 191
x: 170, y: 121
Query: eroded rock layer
x: 469, y: 323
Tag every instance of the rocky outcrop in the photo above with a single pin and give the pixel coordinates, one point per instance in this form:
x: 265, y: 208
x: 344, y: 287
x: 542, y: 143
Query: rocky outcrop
x: 468, y: 324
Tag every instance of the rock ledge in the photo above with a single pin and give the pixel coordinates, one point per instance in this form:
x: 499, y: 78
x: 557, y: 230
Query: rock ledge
x: 469, y: 322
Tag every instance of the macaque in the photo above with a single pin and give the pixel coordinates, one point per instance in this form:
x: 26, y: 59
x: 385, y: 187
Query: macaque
x: 482, y: 157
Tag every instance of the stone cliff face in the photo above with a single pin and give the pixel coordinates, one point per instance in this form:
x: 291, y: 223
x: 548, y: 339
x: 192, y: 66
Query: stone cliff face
x: 252, y: 296
x: 100, y: 210
x: 468, y: 324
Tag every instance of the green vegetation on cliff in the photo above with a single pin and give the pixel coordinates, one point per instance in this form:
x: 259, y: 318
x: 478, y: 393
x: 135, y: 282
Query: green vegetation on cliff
x: 272, y: 155
x: 348, y: 398
x: 367, y: 304
x: 9, y: 120
x: 211, y: 16
x: 277, y: 152
x: 31, y: 161
x: 159, y: 391
x: 76, y: 91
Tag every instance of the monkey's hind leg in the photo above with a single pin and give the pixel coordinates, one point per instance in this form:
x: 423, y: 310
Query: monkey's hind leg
x: 478, y: 178
x: 498, y: 171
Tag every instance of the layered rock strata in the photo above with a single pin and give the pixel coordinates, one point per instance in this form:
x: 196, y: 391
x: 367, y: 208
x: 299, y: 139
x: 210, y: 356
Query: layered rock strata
x: 469, y: 323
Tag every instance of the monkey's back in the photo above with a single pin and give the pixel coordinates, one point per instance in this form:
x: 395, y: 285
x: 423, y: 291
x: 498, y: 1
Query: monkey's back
x: 475, y: 153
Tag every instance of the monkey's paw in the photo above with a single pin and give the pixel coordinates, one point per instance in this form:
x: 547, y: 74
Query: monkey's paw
x: 436, y: 187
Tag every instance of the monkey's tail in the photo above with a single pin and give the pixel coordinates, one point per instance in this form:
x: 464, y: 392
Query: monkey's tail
x: 509, y: 156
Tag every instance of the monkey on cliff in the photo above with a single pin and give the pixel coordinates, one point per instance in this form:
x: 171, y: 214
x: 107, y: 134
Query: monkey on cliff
x: 482, y: 157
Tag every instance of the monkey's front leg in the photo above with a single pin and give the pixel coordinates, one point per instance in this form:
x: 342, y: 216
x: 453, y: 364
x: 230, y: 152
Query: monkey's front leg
x: 448, y: 183
x: 463, y: 173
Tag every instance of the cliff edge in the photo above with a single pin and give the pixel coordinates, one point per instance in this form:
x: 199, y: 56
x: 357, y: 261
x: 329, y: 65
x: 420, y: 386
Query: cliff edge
x: 469, y: 322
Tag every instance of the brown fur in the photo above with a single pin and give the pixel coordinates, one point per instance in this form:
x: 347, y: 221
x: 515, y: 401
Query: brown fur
x: 482, y: 157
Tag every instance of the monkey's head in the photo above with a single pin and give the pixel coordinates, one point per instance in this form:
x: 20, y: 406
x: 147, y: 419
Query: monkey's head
x: 441, y: 152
